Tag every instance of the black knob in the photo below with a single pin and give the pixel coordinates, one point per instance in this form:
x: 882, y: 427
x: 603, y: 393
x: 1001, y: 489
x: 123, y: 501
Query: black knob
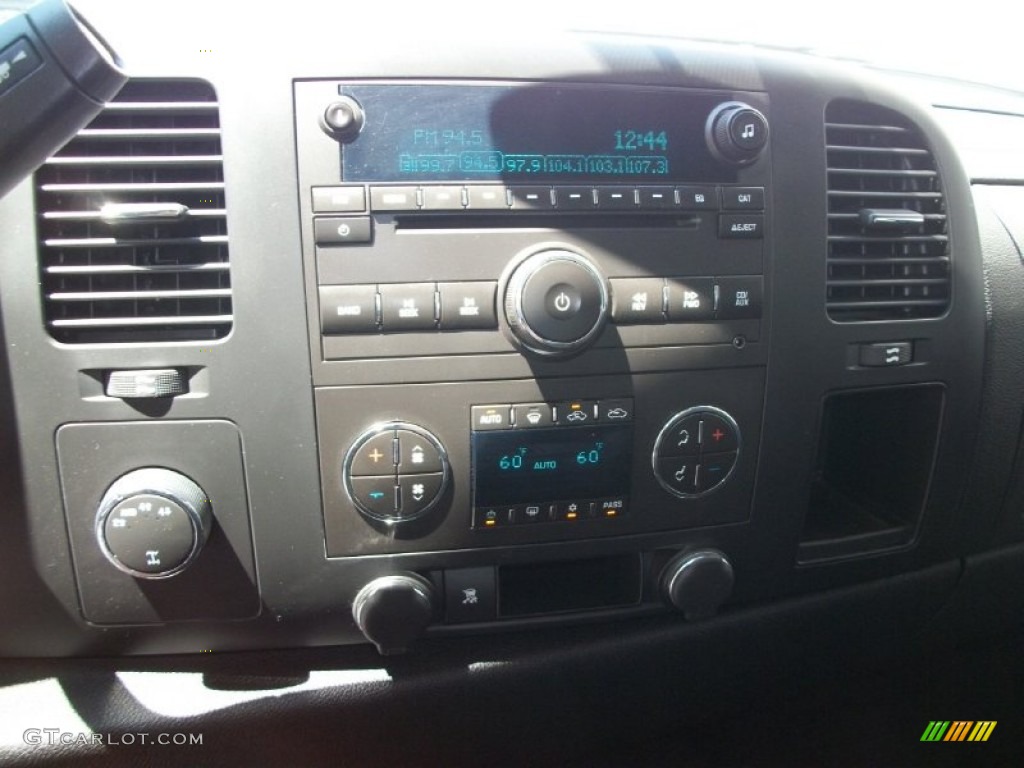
x: 697, y: 583
x: 343, y: 119
x: 392, y: 611
x: 153, y: 522
x: 736, y: 133
x: 556, y: 302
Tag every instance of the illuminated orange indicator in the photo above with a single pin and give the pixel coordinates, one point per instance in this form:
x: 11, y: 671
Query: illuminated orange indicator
x: 490, y: 523
x: 610, y: 513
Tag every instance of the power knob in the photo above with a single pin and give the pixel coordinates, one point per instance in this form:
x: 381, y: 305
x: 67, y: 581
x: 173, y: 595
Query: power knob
x: 392, y: 611
x: 736, y: 133
x: 343, y: 119
x: 152, y: 522
x: 697, y: 583
x: 556, y: 302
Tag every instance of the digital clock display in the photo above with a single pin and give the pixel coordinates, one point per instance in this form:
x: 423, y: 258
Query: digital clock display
x: 521, y: 466
x: 525, y: 133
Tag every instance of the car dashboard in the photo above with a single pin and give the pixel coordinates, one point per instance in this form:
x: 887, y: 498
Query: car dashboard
x: 657, y: 372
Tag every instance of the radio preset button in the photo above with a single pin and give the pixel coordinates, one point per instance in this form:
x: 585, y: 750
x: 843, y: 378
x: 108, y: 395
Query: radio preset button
x: 698, y: 198
x: 407, y: 307
x: 342, y: 230
x: 530, y: 415
x: 638, y: 300
x: 487, y: 417
x: 739, y: 226
x: 468, y: 306
x: 574, y: 198
x: 393, y: 199
x: 376, y: 456
x: 656, y: 198
x: 691, y: 299
x: 532, y: 198
x: 487, y: 198
x: 349, y: 199
x: 743, y: 198
x: 442, y: 198
x: 348, y: 308
x: 616, y: 198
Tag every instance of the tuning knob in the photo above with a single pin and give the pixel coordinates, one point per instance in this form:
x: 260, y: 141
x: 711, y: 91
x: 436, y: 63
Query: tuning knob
x: 556, y: 302
x: 736, y: 133
x: 152, y: 523
x: 697, y: 583
x: 392, y: 611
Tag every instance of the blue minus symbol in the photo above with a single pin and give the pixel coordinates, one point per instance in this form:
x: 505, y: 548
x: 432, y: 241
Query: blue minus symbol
x: 376, y: 495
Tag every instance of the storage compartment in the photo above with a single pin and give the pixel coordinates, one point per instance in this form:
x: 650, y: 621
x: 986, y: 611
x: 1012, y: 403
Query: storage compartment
x: 875, y: 460
x: 578, y: 585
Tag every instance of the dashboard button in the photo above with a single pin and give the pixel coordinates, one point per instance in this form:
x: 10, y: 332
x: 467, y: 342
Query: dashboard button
x: 717, y: 434
x: 698, y: 198
x: 611, y: 508
x: 530, y: 415
x: 740, y: 226
x: 407, y: 307
x: 679, y: 473
x: 466, y: 306
x: 376, y: 456
x: 743, y: 198
x: 339, y: 199
x: 342, y: 230
x: 576, y: 413
x: 348, y: 308
x: 416, y: 453
x: 491, y: 417
x: 491, y: 517
x: 886, y: 354
x: 616, y: 198
x: 615, y: 410
x: 442, y: 198
x: 535, y: 513
x: 690, y: 299
x: 532, y: 198
x: 562, y: 301
x: 377, y: 495
x: 739, y: 297
x: 574, y: 198
x: 657, y: 198
x: 470, y: 595
x: 683, y: 439
x: 572, y: 511
x: 417, y: 492
x: 715, y: 467
x: 487, y: 198
x: 393, y: 199
x: 637, y: 300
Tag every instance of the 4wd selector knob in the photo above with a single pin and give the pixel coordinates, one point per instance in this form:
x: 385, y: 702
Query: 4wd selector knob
x: 556, y: 302
x: 152, y: 522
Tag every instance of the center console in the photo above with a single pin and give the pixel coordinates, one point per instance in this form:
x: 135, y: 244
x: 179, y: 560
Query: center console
x: 540, y: 314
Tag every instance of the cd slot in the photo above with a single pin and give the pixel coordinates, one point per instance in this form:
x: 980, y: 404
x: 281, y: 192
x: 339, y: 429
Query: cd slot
x: 562, y: 221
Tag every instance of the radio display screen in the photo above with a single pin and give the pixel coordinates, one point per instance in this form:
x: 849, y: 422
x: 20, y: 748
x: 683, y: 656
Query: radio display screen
x: 524, y: 466
x: 525, y: 133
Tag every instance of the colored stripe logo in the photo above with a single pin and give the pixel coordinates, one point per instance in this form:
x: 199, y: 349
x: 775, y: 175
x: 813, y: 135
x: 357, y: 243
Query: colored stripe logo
x: 958, y: 730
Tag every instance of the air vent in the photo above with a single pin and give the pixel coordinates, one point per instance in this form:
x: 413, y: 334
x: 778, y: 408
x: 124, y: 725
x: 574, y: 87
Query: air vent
x: 888, y: 249
x: 133, y: 238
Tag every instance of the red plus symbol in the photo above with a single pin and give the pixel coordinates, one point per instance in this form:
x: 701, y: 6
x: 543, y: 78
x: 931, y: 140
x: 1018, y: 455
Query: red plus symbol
x: 718, y: 434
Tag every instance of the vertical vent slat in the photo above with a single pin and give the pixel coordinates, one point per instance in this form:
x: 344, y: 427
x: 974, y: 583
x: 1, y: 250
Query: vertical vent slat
x: 148, y: 279
x: 879, y: 161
